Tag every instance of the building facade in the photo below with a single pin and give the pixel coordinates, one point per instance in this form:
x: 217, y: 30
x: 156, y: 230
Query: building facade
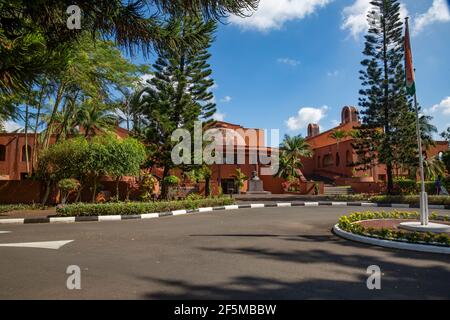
x: 333, y: 159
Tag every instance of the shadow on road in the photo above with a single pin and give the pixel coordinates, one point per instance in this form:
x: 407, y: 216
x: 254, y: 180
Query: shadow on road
x: 406, y: 275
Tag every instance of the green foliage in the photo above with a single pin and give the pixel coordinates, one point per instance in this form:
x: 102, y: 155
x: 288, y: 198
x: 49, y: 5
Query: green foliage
x: 133, y: 208
x: 147, y: 185
x: 404, y: 186
x: 178, y: 95
x: 408, y: 199
x: 386, y: 135
x: 350, y: 224
x: 63, y: 160
x: 338, y: 135
x: 172, y: 181
x: 446, y: 160
x: 293, y: 149
x: 239, y: 178
x: 85, y: 160
x: 446, y: 135
x: 30, y: 46
x: 14, y: 207
x: 66, y: 186
x: 194, y: 196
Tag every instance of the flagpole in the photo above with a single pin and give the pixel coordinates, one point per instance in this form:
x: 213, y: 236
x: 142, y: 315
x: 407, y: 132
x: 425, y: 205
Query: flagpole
x: 424, y: 214
x: 423, y: 194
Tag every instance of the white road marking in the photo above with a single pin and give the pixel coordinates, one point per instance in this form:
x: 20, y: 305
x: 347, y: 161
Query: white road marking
x: 149, y: 215
x: 62, y: 220
x: 5, y: 232
x: 207, y: 209
x: 257, y: 205
x: 283, y: 204
x: 179, y: 212
x: 109, y: 218
x: 53, y: 245
x: 231, y: 207
x: 11, y: 220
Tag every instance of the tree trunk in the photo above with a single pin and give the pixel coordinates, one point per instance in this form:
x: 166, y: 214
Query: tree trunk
x: 94, y: 191
x: 27, y: 156
x: 207, y: 189
x: 164, y: 187
x: 117, y: 188
x: 47, y: 192
x: 35, y: 142
x: 58, y: 99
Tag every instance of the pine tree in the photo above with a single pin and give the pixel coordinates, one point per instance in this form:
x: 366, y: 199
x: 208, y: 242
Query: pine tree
x: 179, y: 93
x: 385, y: 136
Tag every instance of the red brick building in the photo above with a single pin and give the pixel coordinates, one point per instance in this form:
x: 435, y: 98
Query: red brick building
x: 332, y: 159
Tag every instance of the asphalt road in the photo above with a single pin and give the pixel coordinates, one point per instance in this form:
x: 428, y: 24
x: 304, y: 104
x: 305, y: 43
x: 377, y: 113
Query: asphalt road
x: 270, y: 253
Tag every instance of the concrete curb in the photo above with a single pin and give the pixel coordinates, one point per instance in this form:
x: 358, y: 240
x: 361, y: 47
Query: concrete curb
x: 390, y: 243
x: 208, y: 209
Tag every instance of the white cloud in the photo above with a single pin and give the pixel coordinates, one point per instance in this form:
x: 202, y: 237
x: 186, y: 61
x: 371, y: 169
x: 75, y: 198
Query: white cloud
x: 272, y: 14
x: 305, y: 116
x: 226, y: 99
x: 334, y: 73
x: 11, y: 126
x: 355, y: 17
x: 219, y: 116
x: 288, y: 61
x: 442, y: 107
x: 438, y: 12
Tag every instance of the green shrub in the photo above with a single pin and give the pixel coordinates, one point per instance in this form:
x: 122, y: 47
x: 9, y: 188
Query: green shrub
x: 405, y: 186
x: 171, y: 181
x: 348, y: 223
x: 66, y: 186
x: 13, y: 207
x: 132, y: 208
x: 410, y: 199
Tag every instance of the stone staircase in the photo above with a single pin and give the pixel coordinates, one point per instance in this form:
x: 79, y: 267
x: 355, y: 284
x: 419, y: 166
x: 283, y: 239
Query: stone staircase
x: 336, y: 191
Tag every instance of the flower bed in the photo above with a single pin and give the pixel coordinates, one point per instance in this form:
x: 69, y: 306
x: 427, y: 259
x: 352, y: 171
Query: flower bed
x: 134, y: 208
x: 410, y: 199
x: 350, y: 224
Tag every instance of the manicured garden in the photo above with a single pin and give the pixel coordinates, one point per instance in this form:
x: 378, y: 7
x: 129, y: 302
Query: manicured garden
x: 135, y: 208
x: 407, y: 199
x: 352, y: 223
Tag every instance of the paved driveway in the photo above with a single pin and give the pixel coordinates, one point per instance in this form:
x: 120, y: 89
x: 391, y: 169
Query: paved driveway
x: 270, y: 253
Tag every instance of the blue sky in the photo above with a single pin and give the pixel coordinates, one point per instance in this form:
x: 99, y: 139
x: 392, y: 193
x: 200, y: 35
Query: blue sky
x: 295, y: 62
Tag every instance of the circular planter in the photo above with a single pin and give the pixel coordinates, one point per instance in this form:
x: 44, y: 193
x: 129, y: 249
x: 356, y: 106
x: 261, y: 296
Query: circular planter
x: 394, y: 244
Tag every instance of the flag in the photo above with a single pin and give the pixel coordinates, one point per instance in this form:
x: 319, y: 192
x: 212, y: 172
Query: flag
x: 409, y: 69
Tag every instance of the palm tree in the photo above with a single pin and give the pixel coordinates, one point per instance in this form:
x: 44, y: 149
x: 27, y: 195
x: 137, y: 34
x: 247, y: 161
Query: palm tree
x: 338, y: 135
x: 92, y: 117
x: 433, y: 168
x: 292, y: 150
x: 427, y: 130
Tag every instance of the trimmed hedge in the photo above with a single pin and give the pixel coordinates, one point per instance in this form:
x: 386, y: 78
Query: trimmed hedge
x: 412, y: 199
x: 13, y: 207
x: 132, y: 208
x: 348, y: 223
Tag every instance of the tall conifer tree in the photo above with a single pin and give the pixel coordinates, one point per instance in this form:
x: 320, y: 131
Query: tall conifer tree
x: 385, y: 135
x: 179, y: 93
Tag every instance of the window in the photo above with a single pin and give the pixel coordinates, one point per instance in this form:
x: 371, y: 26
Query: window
x: 338, y: 159
x: 2, y: 152
x: 24, y: 153
x: 328, y: 160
